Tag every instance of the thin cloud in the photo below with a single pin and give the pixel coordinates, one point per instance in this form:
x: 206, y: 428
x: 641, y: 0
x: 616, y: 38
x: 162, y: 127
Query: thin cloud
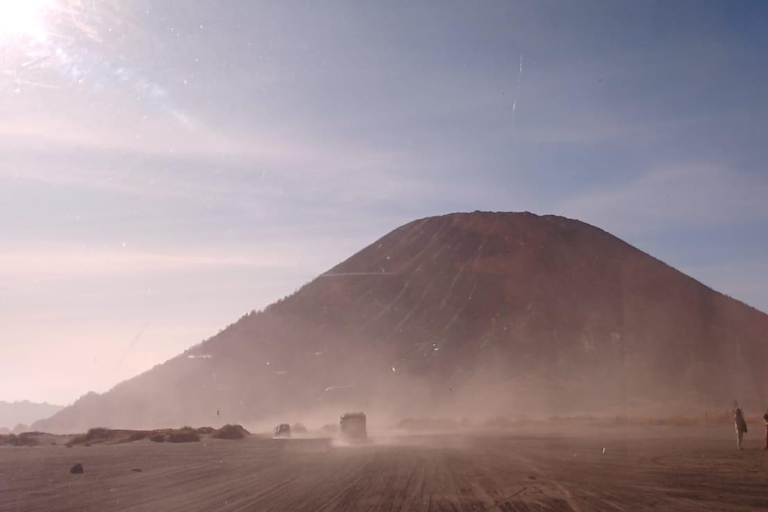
x: 687, y: 195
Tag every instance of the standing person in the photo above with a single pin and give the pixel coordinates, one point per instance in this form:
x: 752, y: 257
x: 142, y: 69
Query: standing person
x: 740, y: 424
x: 765, y: 419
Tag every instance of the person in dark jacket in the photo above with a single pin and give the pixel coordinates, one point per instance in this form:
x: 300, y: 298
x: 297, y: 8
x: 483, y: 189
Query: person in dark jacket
x: 740, y: 424
x: 765, y: 419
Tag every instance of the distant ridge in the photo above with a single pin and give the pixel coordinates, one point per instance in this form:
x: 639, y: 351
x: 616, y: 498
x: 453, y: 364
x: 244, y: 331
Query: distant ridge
x: 24, y: 412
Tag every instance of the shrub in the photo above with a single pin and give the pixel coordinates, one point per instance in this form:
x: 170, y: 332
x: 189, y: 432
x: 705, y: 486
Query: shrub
x: 26, y: 439
x: 330, y: 428
x: 97, y: 433
x: 231, y: 432
x: 206, y: 430
x: 183, y: 435
x: 93, y: 434
x: 137, y: 436
x: 157, y: 438
x: 75, y: 440
x: 298, y: 428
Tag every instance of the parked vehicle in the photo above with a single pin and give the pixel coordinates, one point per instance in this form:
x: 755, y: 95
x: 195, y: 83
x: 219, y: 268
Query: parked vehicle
x: 283, y: 431
x: 352, y: 426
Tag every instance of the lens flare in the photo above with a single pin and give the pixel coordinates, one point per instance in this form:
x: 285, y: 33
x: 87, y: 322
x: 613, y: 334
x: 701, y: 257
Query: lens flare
x: 23, y: 18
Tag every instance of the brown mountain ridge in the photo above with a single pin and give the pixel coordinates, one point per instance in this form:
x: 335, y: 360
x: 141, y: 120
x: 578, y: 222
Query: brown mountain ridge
x: 467, y: 314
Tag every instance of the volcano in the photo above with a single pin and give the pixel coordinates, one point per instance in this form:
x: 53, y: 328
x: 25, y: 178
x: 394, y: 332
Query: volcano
x: 465, y: 314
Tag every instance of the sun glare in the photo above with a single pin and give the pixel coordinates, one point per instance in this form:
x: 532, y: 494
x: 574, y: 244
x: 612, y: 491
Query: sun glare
x: 23, y: 18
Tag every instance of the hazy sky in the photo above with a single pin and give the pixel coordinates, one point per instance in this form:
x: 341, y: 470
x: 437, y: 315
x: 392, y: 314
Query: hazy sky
x: 167, y: 166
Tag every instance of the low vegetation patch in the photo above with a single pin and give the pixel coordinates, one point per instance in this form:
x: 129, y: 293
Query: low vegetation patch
x: 231, y: 432
x: 138, y: 435
x: 24, y: 439
x: 101, y: 435
x: 330, y: 428
x: 116, y: 436
x: 183, y: 435
x: 97, y: 434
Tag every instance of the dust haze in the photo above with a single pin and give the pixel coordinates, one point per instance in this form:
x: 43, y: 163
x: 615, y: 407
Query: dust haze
x: 503, y: 361
x: 166, y: 167
x: 463, y: 317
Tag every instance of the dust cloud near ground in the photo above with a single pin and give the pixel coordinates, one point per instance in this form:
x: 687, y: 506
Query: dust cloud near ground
x: 536, y: 468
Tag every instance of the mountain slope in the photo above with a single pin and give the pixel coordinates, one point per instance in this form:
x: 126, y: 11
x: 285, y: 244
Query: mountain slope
x: 24, y: 412
x: 480, y: 313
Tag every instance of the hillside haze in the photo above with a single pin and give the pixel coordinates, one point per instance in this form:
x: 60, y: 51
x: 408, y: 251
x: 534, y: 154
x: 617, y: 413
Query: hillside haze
x: 24, y: 412
x: 473, y: 315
